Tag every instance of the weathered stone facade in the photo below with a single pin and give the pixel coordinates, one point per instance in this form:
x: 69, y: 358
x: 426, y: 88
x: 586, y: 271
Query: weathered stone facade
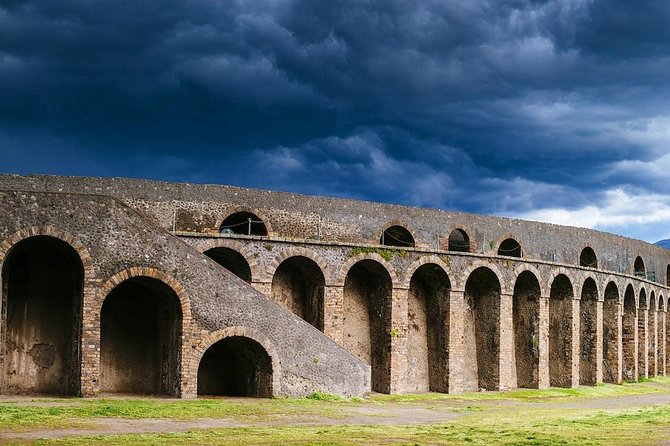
x: 449, y: 302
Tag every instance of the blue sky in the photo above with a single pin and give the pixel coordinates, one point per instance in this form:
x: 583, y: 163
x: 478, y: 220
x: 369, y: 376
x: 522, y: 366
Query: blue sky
x: 546, y: 110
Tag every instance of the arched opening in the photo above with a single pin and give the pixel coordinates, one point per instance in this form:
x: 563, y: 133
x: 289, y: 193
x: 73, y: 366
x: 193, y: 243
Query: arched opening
x: 243, y: 223
x: 231, y: 260
x: 642, y: 324
x: 667, y: 276
x: 397, y: 236
x: 481, y: 338
x: 298, y: 284
x: 367, y: 319
x: 235, y: 366
x: 588, y: 309
x: 428, y: 330
x: 526, y: 323
x: 638, y: 268
x: 510, y: 248
x: 42, y: 295
x: 560, y: 332
x: 629, y: 342
x: 611, y: 334
x: 588, y: 258
x: 652, y: 363
x: 459, y: 241
x: 140, y: 338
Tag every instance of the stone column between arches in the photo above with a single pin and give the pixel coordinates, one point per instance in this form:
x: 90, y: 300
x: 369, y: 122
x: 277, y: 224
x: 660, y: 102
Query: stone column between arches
x: 543, y: 344
x: 506, y: 354
x: 576, y: 346
x: 643, y: 345
x: 333, y: 312
x: 398, y: 360
x: 456, y: 352
x: 90, y: 341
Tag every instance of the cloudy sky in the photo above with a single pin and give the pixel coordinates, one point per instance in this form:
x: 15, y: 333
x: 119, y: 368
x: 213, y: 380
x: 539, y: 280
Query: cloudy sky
x: 547, y: 110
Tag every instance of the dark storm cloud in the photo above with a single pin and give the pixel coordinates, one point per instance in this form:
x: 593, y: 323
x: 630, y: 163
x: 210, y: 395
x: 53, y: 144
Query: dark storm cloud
x: 514, y: 107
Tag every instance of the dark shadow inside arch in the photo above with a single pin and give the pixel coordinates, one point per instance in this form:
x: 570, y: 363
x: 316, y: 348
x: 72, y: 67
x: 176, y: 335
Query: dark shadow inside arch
x: 526, y: 324
x: 232, y: 260
x: 243, y: 223
x: 428, y: 330
x: 588, y: 309
x: 397, y: 236
x: 667, y: 276
x: 588, y: 258
x: 510, y: 248
x: 367, y: 319
x: 481, y: 337
x: 642, y: 324
x: 459, y: 241
x: 140, y: 338
x: 560, y: 332
x: 629, y: 335
x: 235, y: 366
x: 298, y: 284
x: 638, y: 267
x: 611, y: 334
x: 42, y: 299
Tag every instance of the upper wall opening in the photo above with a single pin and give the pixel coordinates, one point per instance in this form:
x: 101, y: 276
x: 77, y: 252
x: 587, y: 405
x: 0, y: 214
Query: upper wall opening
x: 509, y: 248
x: 397, y: 236
x: 588, y: 258
x: 244, y: 223
x: 459, y: 241
x: 638, y: 267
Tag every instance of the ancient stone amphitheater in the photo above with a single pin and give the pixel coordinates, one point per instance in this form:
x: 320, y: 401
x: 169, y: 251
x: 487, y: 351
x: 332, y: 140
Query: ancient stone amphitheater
x: 142, y: 287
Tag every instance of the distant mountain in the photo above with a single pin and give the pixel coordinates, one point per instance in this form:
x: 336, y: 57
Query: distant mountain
x: 663, y: 243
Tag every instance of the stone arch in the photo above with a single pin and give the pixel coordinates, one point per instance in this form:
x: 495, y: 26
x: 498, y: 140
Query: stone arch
x: 639, y: 269
x: 366, y: 325
x: 458, y: 240
x: 344, y: 270
x: 611, y: 332
x: 211, y: 339
x: 252, y: 212
x: 428, y: 311
x: 561, y: 295
x: 526, y: 326
x: 510, y: 246
x: 642, y: 334
x: 287, y: 253
x: 44, y: 277
x: 555, y: 272
x: 588, y: 258
x: 424, y: 260
x: 298, y: 284
x: 398, y: 234
x: 141, y: 332
x: 531, y: 269
x: 481, y: 337
x: 504, y: 289
x: 243, y: 250
x: 629, y: 334
x: 588, y: 326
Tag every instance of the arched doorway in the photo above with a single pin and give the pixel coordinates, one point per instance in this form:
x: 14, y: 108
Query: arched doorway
x: 588, y: 258
x: 560, y: 332
x: 526, y: 323
x: 397, y: 236
x: 140, y: 338
x: 243, y: 223
x: 588, y: 309
x: 231, y: 260
x: 42, y: 293
x: 611, y: 334
x: 428, y: 330
x: 481, y: 337
x: 235, y: 366
x: 298, y: 284
x: 459, y: 241
x: 510, y: 248
x: 629, y: 342
x: 367, y: 319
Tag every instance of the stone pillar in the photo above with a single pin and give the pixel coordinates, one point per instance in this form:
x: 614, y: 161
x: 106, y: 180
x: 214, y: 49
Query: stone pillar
x: 575, y: 345
x: 643, y: 347
x: 90, y: 342
x: 653, y: 355
x: 398, y: 354
x: 599, y: 342
x: 619, y: 344
x: 456, y: 310
x: 543, y: 344
x: 506, y: 347
x: 664, y: 340
x: 333, y: 312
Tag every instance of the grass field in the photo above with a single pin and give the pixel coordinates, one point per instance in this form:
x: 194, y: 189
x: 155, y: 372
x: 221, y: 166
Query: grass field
x: 606, y: 414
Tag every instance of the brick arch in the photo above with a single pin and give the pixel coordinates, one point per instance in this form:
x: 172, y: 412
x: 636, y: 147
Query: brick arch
x: 661, y: 303
x: 579, y: 286
x: 407, y: 278
x: 212, y: 338
x: 287, y: 253
x: 621, y: 288
x: 504, y: 287
x: 240, y: 248
x: 652, y: 294
x: 259, y: 213
x: 579, y: 256
x: 140, y: 271
x: 638, y: 293
x: 50, y: 231
x: 444, y: 238
x: 514, y: 237
x: 531, y: 269
x: 396, y: 222
x: 344, y: 270
x: 567, y: 273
